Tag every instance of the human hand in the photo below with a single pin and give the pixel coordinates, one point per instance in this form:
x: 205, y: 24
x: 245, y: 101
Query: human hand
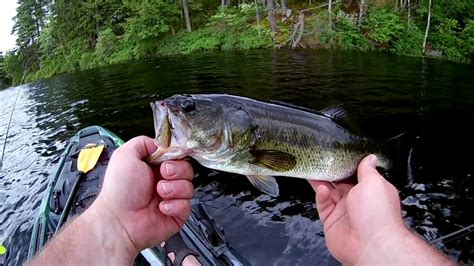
x: 148, y: 204
x: 357, y: 219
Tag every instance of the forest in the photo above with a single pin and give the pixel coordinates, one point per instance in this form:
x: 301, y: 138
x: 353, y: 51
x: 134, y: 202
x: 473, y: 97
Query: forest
x: 64, y: 36
x: 4, y: 79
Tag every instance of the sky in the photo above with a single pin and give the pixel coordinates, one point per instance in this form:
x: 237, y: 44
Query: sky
x: 7, y: 12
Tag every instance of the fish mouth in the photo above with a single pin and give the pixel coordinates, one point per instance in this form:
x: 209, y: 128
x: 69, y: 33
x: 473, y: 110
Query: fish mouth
x: 170, y: 131
x: 162, y: 125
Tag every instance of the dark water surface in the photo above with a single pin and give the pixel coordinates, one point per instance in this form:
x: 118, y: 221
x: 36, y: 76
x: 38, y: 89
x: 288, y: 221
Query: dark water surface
x: 430, y: 101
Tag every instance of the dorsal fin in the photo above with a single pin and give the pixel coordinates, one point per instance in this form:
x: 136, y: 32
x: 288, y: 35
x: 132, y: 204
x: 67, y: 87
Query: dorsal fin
x: 295, y: 106
x: 336, y: 112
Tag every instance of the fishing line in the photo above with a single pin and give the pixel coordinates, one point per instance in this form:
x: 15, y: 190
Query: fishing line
x: 8, y: 129
x: 454, y: 235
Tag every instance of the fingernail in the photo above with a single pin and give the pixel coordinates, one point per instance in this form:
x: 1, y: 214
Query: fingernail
x: 168, y: 207
x: 167, y: 187
x: 373, y: 160
x: 170, y: 169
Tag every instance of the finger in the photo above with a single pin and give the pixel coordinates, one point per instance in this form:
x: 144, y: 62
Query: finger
x: 334, y: 193
x: 343, y: 188
x: 367, y: 170
x: 173, y: 170
x: 176, y: 189
x: 324, y: 203
x: 140, y: 147
x: 316, y: 183
x: 180, y: 208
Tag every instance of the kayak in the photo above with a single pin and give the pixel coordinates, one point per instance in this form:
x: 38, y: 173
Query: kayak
x: 67, y: 196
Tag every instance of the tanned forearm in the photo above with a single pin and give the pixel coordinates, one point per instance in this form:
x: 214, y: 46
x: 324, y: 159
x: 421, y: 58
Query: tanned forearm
x: 95, y: 237
x: 402, y: 247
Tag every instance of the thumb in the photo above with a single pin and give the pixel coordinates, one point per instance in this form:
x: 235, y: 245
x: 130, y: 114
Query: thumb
x: 140, y: 147
x: 366, y: 169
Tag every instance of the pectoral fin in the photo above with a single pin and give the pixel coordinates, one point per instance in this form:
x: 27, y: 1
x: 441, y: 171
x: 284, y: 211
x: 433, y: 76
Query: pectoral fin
x: 266, y: 184
x: 275, y: 160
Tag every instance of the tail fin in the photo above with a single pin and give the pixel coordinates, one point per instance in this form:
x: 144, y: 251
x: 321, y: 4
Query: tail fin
x: 399, y: 149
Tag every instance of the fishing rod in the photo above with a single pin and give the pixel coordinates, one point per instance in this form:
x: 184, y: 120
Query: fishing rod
x: 8, y: 129
x: 454, y: 235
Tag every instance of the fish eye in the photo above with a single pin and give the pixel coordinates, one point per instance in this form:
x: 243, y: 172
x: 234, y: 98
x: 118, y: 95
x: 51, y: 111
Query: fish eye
x: 188, y: 105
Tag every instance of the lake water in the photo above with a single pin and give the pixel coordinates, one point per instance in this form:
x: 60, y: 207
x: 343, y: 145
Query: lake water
x: 430, y: 101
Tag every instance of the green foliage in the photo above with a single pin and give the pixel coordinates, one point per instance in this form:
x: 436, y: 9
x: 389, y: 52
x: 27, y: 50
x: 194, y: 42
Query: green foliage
x: 409, y: 42
x: 29, y: 21
x: 460, y: 10
x: 446, y: 39
x: 349, y: 36
x: 383, y: 27
x: 451, y: 28
x: 196, y: 41
x: 13, y: 67
x: 230, y: 17
x: 249, y: 39
x: 54, y: 57
x: 346, y: 34
x: 150, y: 20
x: 106, y: 46
x: 455, y: 44
x: 4, y: 78
x: 63, y: 36
x: 227, y: 30
x: 112, y: 49
x: 467, y: 40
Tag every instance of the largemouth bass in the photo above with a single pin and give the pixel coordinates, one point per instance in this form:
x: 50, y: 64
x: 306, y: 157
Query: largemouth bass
x: 257, y: 139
